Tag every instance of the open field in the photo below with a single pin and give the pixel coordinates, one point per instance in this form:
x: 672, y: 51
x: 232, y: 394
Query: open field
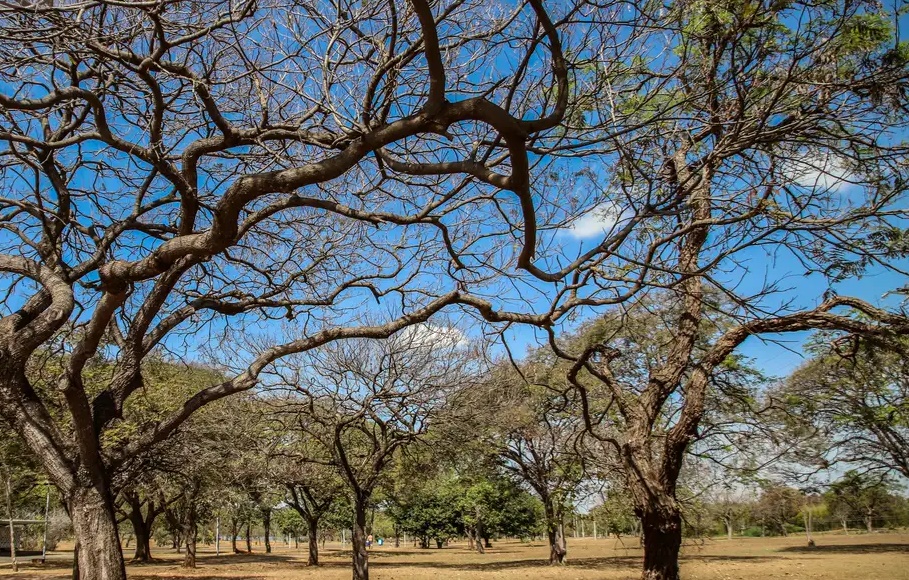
x: 864, y: 557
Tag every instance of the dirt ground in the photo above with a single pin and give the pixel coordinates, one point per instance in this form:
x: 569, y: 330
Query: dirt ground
x: 859, y: 557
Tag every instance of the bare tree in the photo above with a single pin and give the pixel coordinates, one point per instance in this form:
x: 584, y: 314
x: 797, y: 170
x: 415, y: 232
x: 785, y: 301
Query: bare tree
x: 364, y: 401
x: 540, y: 445
x: 171, y: 166
x: 312, y: 490
x: 178, y: 171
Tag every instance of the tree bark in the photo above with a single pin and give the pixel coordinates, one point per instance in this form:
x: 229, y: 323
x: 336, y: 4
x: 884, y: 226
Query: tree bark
x: 234, y: 530
x: 313, y: 535
x: 142, y: 527
x: 248, y: 538
x: 12, y: 528
x: 143, y: 543
x: 189, y: 533
x: 358, y: 540
x: 557, y: 545
x: 478, y: 540
x: 266, y: 523
x: 99, y: 556
x: 662, y: 529
x: 869, y: 524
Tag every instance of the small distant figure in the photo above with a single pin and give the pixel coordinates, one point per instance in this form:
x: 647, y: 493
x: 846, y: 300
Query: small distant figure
x: 380, y: 541
x: 368, y: 541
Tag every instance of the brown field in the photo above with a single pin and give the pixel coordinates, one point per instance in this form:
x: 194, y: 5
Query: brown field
x: 859, y: 557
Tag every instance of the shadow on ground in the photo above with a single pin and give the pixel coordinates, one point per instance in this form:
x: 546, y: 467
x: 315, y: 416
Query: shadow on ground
x: 630, y: 562
x: 848, y: 549
x: 245, y: 558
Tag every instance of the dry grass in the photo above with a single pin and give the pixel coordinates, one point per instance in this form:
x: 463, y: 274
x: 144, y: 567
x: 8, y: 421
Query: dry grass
x: 865, y: 557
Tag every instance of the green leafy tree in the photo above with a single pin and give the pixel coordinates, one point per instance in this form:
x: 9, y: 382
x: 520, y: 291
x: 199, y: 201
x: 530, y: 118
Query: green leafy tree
x: 779, y: 507
x: 861, y: 496
x: 852, y: 405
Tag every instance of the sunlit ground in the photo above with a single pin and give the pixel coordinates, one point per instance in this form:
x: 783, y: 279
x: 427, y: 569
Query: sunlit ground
x: 859, y: 557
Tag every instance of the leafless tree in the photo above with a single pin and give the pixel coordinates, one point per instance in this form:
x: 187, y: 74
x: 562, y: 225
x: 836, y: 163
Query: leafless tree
x: 539, y: 442
x: 181, y: 171
x: 365, y: 401
x: 172, y: 169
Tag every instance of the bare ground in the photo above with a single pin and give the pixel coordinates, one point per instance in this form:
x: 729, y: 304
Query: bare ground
x: 862, y: 557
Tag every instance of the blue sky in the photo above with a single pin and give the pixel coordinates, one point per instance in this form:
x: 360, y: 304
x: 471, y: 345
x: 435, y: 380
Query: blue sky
x: 776, y: 355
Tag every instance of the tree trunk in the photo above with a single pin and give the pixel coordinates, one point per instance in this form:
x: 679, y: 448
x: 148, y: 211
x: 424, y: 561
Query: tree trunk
x: 806, y: 517
x: 845, y: 527
x: 313, y: 534
x: 143, y: 544
x: 869, y: 524
x: 234, y: 530
x: 142, y: 530
x: 12, y: 527
x: 439, y: 542
x: 99, y: 556
x: 662, y: 529
x: 728, y: 522
x: 358, y: 540
x: 76, y: 560
x: 557, y: 545
x: 248, y: 538
x: 189, y: 533
x: 478, y: 540
x: 266, y: 523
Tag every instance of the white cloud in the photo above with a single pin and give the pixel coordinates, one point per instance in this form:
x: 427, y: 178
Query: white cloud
x: 822, y: 172
x: 433, y: 335
x: 599, y: 220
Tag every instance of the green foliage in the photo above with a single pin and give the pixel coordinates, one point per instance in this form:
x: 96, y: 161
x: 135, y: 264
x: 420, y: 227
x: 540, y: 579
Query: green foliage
x: 851, y: 402
x: 615, y: 514
x: 861, y: 496
x: 288, y: 522
x: 752, y: 532
x: 450, y: 505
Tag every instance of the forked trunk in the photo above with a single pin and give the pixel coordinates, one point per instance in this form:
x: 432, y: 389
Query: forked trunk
x: 313, y: 534
x: 99, y: 556
x: 143, y: 545
x: 358, y: 541
x: 142, y: 531
x: 662, y: 529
